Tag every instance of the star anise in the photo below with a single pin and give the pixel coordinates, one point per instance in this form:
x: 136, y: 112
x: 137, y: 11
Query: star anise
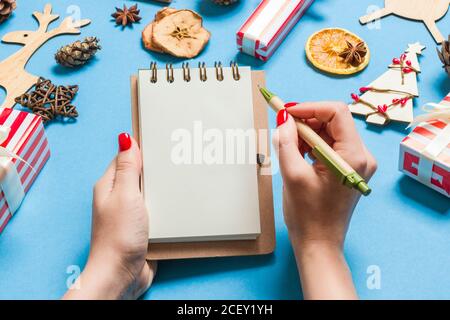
x: 354, y: 54
x: 126, y: 15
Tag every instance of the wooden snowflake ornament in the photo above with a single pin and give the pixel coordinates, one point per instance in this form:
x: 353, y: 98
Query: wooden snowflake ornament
x: 390, y: 97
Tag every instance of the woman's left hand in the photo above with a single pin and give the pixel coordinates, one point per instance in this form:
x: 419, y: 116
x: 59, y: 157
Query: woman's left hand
x: 117, y: 268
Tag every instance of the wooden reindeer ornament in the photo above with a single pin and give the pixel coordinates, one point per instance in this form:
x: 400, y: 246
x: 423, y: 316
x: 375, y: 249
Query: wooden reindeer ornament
x: 427, y: 11
x: 13, y: 77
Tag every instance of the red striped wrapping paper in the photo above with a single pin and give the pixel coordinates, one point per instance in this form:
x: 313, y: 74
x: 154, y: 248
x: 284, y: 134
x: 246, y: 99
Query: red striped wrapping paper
x: 268, y: 25
x: 26, y: 139
x: 433, y: 171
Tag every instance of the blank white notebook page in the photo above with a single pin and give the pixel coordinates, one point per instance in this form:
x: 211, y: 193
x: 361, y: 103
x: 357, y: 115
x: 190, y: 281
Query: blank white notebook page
x: 199, y: 184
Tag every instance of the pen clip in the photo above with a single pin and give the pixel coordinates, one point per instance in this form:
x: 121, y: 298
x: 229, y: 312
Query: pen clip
x: 352, y: 180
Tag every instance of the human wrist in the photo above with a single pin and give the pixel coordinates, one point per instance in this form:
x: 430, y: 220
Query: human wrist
x: 324, y: 271
x: 312, y: 254
x: 307, y: 246
x: 115, y: 279
x: 101, y: 279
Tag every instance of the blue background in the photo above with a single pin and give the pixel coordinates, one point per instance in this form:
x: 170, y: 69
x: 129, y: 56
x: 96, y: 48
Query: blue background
x: 403, y: 227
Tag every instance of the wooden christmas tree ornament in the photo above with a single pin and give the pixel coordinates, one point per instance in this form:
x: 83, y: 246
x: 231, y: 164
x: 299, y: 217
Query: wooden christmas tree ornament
x: 427, y: 11
x: 13, y: 77
x: 390, y: 97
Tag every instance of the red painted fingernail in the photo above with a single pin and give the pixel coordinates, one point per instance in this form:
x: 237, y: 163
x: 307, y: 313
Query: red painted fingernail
x: 124, y: 141
x: 282, y: 117
x: 290, y: 104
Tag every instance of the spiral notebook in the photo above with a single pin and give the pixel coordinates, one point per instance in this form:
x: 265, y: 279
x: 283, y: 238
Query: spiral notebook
x: 147, y: 91
x: 199, y: 153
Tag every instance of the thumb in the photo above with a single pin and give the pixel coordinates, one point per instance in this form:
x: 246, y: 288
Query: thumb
x: 128, y: 164
x: 292, y: 165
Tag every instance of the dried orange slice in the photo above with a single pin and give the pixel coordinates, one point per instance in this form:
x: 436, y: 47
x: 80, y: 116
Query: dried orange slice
x: 324, y: 48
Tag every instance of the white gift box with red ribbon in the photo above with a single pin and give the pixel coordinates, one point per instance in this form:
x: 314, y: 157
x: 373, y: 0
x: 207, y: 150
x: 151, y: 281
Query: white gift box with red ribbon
x: 425, y: 152
x: 268, y: 25
x: 23, y: 152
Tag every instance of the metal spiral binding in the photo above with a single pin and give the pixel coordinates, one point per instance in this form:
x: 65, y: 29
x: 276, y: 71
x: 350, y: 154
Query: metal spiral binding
x: 154, y: 71
x: 260, y: 158
x: 219, y: 70
x: 187, y: 71
x: 202, y: 71
x: 235, y: 70
x: 169, y: 72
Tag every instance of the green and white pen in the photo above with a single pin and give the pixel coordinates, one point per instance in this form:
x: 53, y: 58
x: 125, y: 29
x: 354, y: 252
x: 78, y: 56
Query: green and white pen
x: 321, y: 150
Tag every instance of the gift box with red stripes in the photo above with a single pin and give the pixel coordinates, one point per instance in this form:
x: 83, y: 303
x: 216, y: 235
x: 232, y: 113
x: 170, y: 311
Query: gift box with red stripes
x: 23, y: 152
x: 268, y: 25
x: 425, y: 152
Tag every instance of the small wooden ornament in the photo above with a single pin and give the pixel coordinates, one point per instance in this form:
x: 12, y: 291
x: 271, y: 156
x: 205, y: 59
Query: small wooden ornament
x: 427, y: 11
x: 13, y: 76
x: 390, y: 97
x: 50, y: 101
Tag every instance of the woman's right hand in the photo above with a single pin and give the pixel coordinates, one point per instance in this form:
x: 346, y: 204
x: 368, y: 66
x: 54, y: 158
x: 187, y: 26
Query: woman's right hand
x: 317, y: 206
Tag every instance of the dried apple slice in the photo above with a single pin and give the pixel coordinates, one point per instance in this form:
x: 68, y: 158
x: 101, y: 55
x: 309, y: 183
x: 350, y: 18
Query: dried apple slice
x: 164, y: 12
x: 147, y: 38
x: 180, y: 34
x: 148, y: 30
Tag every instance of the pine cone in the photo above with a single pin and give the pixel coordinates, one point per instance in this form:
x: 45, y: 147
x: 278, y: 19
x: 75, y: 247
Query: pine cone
x: 77, y: 53
x: 444, y: 55
x: 225, y: 2
x: 6, y: 8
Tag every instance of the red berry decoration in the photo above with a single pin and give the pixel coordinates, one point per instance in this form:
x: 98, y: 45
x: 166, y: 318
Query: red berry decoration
x: 382, y: 109
x: 364, y: 89
x: 404, y: 101
x: 404, y: 65
x: 355, y: 97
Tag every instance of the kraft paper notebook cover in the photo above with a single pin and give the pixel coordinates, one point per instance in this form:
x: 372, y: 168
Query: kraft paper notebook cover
x: 265, y: 242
